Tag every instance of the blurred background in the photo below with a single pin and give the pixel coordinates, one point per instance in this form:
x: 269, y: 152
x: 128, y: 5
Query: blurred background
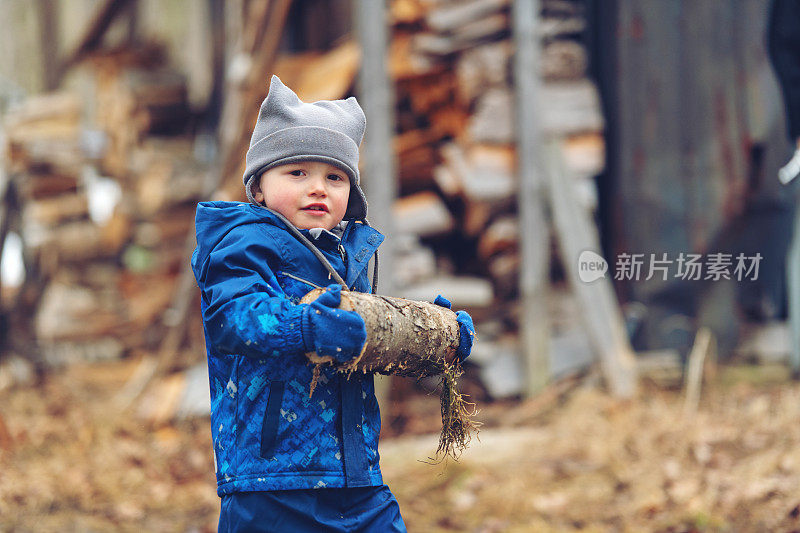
x: 505, y: 140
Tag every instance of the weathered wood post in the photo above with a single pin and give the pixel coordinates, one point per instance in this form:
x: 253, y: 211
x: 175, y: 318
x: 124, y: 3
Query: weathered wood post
x: 599, y: 308
x: 534, y: 247
x: 376, y: 95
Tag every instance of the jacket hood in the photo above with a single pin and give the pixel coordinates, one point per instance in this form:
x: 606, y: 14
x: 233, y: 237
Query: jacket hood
x: 215, y: 219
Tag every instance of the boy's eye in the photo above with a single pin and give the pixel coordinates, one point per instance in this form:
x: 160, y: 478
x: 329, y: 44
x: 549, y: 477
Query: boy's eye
x: 296, y: 172
x: 335, y: 177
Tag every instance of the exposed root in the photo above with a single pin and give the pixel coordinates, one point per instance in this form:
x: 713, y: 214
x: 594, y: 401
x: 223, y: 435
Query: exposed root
x: 457, y: 417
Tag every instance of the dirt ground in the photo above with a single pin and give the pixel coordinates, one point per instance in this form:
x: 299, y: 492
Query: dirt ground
x: 571, y: 460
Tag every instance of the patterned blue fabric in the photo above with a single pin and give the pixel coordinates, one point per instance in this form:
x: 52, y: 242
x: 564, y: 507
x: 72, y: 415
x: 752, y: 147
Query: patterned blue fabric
x: 268, y: 434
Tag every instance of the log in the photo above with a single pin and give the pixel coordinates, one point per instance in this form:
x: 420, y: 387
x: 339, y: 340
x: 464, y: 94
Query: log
x: 423, y: 214
x: 453, y: 16
x: 314, y: 76
x: 585, y: 154
x: 553, y: 27
x: 407, y: 11
x: 504, y: 270
x: 466, y: 37
x: 485, y: 174
x: 412, y: 140
x: 564, y: 60
x: 413, y: 262
x: 500, y: 236
x: 463, y: 291
x: 567, y: 108
x: 430, y: 92
x: 52, y: 116
x: 56, y: 210
x: 49, y: 185
x: 404, y: 61
x: 84, y: 240
x: 413, y: 339
x: 449, y: 121
x: 404, y: 337
x: 482, y: 67
x: 418, y: 168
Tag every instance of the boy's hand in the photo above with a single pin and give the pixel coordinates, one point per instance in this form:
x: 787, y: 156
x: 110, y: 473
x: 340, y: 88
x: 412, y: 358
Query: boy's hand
x: 330, y: 331
x: 466, y: 329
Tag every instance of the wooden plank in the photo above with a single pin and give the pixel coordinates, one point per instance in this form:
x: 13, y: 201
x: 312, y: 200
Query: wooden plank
x: 49, y: 39
x: 534, y: 244
x: 600, y: 312
x: 376, y: 96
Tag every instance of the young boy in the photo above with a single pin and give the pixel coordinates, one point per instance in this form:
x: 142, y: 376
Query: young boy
x: 286, y: 461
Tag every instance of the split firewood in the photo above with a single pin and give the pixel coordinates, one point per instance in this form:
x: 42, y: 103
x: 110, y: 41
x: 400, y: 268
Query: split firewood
x: 454, y: 16
x: 465, y: 37
x: 572, y: 107
x: 48, y: 185
x: 59, y: 209
x: 404, y: 61
x: 423, y: 214
x: 500, y: 236
x: 412, y: 339
x: 315, y: 76
x: 407, y: 11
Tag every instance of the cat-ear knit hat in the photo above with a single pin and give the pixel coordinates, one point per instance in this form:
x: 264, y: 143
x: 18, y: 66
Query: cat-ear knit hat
x: 290, y: 130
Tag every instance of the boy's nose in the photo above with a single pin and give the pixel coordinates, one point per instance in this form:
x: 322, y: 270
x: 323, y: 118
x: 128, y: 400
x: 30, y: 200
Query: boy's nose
x: 317, y: 185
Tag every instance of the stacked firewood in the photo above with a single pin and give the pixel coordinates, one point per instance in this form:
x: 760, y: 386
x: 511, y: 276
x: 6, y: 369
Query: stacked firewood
x: 107, y: 204
x: 452, y: 62
x: 110, y: 183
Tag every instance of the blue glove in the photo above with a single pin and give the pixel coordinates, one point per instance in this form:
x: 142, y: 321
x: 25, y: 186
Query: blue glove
x: 330, y: 331
x: 466, y: 329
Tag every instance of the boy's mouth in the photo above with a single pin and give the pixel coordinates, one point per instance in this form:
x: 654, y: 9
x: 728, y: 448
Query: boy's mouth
x: 316, y: 207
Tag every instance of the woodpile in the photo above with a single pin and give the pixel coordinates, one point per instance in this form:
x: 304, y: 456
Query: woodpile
x: 110, y: 183
x: 455, y: 145
x: 108, y: 186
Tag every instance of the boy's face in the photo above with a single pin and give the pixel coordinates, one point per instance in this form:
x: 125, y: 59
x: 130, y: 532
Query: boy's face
x: 311, y: 194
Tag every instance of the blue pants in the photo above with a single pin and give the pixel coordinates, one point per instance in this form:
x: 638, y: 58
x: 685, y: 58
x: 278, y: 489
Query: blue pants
x: 364, y: 509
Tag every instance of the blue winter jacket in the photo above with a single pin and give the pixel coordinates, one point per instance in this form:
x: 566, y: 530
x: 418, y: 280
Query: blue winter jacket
x: 267, y: 433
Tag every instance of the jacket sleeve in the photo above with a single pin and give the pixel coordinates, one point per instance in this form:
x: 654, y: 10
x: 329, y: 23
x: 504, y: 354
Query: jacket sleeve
x: 245, y: 310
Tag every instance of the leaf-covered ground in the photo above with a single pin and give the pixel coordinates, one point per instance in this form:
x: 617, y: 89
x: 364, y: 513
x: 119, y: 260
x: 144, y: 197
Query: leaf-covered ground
x: 575, y: 460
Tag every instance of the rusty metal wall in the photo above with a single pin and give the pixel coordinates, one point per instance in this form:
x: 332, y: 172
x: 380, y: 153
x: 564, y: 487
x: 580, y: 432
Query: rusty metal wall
x: 695, y: 137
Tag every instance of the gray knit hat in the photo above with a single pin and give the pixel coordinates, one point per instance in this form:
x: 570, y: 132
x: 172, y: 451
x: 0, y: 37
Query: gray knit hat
x: 290, y: 130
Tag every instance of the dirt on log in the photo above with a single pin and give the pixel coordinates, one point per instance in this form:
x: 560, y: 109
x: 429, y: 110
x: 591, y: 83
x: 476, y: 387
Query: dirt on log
x: 411, y: 339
